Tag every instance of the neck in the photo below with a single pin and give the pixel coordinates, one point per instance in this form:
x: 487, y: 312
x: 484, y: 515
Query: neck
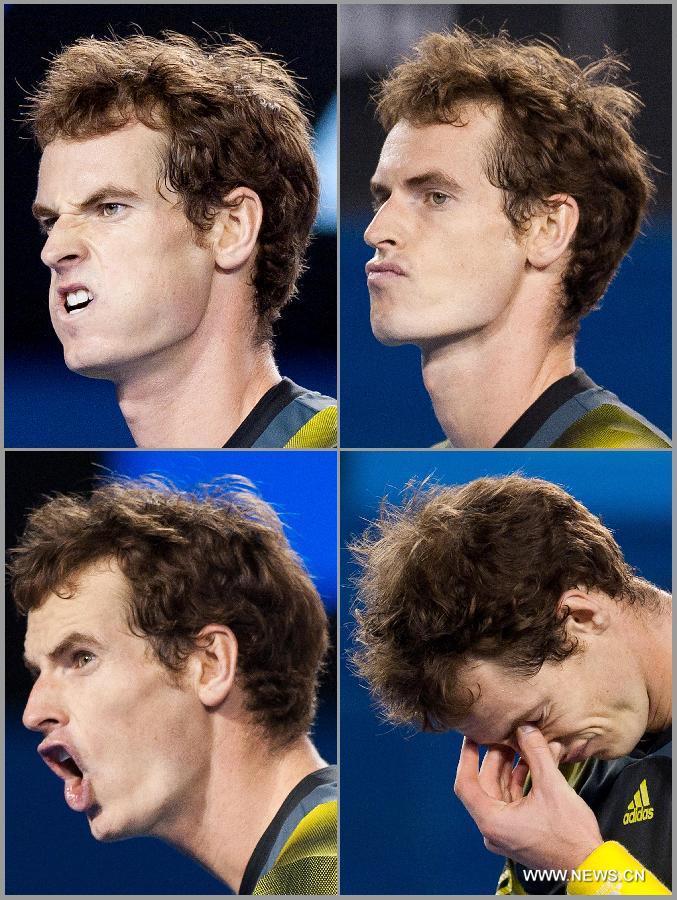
x: 243, y: 793
x: 657, y: 663
x: 198, y: 392
x: 480, y: 383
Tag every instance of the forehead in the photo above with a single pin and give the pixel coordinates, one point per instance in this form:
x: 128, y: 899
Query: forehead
x: 132, y: 153
x: 96, y: 606
x: 456, y: 149
x: 503, y: 697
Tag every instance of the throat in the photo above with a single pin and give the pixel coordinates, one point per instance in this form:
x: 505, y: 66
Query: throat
x: 478, y: 392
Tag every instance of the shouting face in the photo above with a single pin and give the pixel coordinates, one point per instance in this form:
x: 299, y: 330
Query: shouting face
x: 127, y: 739
x: 130, y: 286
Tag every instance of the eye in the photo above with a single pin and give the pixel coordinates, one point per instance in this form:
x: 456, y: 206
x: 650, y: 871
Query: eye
x: 110, y: 210
x: 438, y: 198
x: 46, y: 225
x: 82, y: 658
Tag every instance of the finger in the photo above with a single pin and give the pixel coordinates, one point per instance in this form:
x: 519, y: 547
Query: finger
x: 518, y: 778
x: 535, y: 750
x: 467, y: 786
x: 493, y: 762
x: 495, y: 772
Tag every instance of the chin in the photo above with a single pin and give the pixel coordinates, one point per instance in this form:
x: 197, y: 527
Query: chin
x: 387, y: 333
x: 103, y: 831
x: 106, y: 828
x: 89, y: 368
x: 106, y: 832
x: 389, y: 340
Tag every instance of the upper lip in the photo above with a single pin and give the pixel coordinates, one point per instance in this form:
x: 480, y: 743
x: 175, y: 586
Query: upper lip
x: 65, y: 289
x: 51, y: 751
x: 374, y: 266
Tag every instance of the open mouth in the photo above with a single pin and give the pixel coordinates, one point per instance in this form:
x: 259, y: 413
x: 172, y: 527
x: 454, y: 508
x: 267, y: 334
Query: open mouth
x: 61, y: 762
x: 76, y: 300
x: 78, y: 791
x: 71, y: 768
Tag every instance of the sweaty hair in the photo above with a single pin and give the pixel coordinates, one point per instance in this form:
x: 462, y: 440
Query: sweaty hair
x: 231, y: 117
x: 562, y: 129
x: 461, y: 574
x: 191, y: 560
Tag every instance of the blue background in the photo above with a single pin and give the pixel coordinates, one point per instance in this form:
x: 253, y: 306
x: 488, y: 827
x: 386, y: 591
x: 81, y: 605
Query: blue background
x: 402, y: 829
x: 49, y: 849
x: 625, y: 346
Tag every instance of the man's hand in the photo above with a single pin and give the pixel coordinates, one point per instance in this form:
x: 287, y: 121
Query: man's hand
x: 550, y: 827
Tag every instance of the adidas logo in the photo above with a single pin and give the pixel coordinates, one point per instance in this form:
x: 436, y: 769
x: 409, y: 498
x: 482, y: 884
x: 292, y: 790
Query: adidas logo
x: 639, y: 808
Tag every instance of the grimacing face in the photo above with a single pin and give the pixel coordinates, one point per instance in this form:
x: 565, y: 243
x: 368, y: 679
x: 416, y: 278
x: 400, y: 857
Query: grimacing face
x: 136, y: 739
x: 591, y: 704
x: 114, y: 238
x: 447, y: 262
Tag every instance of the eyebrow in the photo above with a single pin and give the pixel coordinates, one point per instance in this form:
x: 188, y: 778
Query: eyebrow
x: 105, y: 193
x: 435, y: 178
x: 70, y: 642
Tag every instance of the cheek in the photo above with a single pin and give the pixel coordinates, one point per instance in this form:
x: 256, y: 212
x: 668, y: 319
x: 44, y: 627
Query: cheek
x: 182, y: 273
x: 142, y: 734
x: 168, y: 275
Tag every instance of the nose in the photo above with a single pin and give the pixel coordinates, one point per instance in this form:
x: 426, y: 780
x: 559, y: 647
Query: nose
x: 386, y: 228
x: 65, y: 246
x: 44, y: 709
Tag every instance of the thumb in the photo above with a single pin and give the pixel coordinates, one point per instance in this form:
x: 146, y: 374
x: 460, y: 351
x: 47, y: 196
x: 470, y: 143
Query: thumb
x: 536, y: 751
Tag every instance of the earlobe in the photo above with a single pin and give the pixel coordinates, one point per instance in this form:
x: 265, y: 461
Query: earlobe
x: 552, y: 231
x: 216, y: 664
x: 236, y: 229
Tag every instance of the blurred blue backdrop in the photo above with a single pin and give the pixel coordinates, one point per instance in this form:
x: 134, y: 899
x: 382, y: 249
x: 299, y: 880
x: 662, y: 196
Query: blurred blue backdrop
x: 624, y: 346
x: 402, y: 829
x: 49, y: 849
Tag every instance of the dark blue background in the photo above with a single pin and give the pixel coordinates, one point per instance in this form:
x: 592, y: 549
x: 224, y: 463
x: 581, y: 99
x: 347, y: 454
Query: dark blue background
x: 402, y: 829
x: 49, y: 849
x: 624, y: 346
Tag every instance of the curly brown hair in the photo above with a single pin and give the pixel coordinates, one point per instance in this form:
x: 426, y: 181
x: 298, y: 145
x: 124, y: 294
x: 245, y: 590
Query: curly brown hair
x: 562, y: 128
x: 476, y: 572
x: 232, y: 117
x: 191, y: 559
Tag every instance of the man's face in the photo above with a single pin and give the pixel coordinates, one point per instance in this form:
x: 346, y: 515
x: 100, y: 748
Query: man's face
x: 136, y: 740
x: 113, y: 237
x: 451, y: 261
x: 587, y: 705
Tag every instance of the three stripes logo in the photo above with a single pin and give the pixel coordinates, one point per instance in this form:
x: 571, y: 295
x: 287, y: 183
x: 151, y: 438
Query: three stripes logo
x: 639, y: 808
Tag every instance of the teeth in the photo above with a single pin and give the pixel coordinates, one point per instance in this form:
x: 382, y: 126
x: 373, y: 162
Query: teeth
x: 62, y: 755
x: 77, y: 298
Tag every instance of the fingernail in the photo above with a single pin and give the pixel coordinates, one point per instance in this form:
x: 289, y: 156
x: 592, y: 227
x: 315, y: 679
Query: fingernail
x: 527, y: 729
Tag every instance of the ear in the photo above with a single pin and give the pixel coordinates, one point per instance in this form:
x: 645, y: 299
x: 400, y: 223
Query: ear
x: 552, y: 231
x: 236, y: 228
x: 589, y: 612
x: 215, y: 664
